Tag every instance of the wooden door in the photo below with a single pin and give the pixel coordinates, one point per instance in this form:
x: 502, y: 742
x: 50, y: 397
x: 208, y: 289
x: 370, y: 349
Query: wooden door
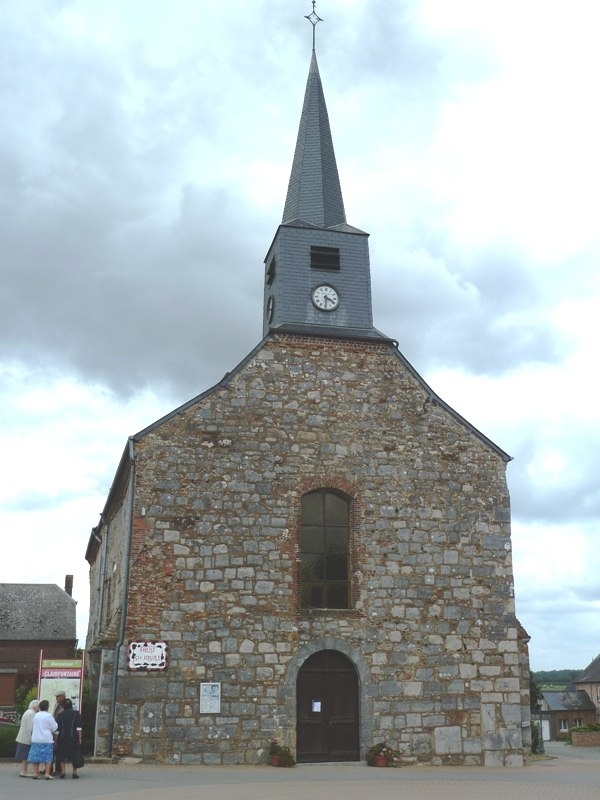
x: 327, y: 709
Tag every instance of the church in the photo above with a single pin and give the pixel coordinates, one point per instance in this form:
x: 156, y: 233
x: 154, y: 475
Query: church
x: 315, y: 550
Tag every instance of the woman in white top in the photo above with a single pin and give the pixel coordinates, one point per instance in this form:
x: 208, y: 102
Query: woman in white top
x: 42, y: 741
x: 24, y: 736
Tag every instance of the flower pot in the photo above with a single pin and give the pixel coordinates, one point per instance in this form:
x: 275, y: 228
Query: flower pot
x: 275, y: 761
x: 381, y: 761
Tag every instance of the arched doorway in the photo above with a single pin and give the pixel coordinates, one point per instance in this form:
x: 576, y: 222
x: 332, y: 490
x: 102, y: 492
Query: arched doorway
x: 327, y: 709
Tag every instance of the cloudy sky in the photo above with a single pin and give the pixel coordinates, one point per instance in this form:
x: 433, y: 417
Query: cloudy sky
x: 145, y: 150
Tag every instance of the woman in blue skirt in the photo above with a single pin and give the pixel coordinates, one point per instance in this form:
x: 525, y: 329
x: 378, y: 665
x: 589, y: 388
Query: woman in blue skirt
x: 42, y: 741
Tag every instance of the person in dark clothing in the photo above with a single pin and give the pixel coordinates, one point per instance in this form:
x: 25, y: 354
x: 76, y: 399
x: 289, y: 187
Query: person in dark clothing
x: 70, y: 731
x: 60, y: 697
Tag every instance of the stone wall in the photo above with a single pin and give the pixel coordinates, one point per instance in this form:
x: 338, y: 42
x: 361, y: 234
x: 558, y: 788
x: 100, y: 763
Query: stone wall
x: 213, y: 566
x: 108, y: 569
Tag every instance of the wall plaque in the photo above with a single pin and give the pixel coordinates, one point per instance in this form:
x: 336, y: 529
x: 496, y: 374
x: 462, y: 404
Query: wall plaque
x: 147, y: 655
x: 210, y: 698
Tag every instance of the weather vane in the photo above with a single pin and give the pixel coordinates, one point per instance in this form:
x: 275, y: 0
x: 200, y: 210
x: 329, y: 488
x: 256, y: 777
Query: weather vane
x: 314, y: 20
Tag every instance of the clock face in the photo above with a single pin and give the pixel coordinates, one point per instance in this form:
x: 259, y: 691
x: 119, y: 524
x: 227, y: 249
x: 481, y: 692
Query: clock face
x: 325, y: 298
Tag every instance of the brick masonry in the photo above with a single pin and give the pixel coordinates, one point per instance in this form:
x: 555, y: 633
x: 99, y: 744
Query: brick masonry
x: 585, y: 738
x: 207, y: 521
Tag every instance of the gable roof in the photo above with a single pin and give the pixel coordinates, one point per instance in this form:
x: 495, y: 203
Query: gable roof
x: 128, y: 459
x: 36, y: 612
x: 568, y: 701
x: 591, y: 672
x: 432, y: 396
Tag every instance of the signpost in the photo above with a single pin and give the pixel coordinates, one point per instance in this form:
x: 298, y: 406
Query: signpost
x: 56, y: 675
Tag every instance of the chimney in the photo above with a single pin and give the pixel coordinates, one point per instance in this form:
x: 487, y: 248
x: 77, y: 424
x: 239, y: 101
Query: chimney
x: 69, y: 585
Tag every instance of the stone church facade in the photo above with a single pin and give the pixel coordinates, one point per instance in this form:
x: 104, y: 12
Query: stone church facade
x: 318, y: 539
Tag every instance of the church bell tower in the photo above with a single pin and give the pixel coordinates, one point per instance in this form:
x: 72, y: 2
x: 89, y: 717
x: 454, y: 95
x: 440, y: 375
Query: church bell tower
x: 317, y: 274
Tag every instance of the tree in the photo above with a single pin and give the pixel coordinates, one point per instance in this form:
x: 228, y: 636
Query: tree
x: 535, y: 694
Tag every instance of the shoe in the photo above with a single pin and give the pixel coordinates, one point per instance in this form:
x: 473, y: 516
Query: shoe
x: 62, y: 775
x: 48, y: 778
x: 23, y: 775
x: 74, y: 776
x: 35, y: 777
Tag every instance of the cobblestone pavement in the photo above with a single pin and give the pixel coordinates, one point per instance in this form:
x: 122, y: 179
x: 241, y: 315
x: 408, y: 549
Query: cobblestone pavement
x: 572, y: 773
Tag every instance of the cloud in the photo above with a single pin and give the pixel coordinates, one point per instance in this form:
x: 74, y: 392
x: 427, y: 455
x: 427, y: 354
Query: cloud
x: 559, y: 593
x: 61, y: 439
x: 485, y: 316
x: 144, y: 160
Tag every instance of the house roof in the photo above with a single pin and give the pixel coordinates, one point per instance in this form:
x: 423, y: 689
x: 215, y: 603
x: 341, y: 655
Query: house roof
x: 569, y: 701
x: 36, y: 612
x: 592, y: 672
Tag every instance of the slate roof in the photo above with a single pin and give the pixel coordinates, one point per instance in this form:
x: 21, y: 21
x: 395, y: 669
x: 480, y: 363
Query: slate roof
x: 591, y: 673
x: 36, y: 612
x: 569, y: 701
x: 314, y: 191
x: 343, y: 227
x: 331, y: 332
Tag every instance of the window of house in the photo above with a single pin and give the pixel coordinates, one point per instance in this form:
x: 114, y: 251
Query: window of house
x: 578, y: 722
x: 325, y: 257
x: 324, y: 550
x: 563, y: 725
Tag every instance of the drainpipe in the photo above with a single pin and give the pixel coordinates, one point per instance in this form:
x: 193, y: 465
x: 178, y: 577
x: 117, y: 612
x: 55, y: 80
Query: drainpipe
x: 103, y: 544
x: 98, y: 622
x: 119, y: 645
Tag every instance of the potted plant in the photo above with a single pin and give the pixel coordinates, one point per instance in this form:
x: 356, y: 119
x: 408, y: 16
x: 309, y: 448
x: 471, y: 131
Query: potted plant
x: 274, y: 753
x: 286, y: 759
x: 382, y: 755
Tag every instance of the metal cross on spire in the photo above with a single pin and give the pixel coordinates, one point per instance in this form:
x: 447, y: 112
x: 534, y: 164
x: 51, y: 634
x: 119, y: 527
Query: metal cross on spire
x: 314, y: 20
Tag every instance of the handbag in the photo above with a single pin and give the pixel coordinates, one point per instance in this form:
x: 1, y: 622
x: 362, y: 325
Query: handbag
x: 78, y: 759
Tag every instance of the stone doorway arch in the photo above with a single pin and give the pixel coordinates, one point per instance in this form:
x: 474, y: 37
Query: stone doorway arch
x: 363, y: 684
x: 327, y: 717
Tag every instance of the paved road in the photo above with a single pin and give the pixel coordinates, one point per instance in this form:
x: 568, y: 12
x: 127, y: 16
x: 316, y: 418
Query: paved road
x: 572, y: 773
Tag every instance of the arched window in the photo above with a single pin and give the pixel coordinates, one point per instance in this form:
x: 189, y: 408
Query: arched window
x: 324, y: 550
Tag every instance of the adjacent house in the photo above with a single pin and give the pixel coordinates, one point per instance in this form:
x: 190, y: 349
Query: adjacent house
x: 590, y: 683
x: 565, y: 710
x: 34, y: 617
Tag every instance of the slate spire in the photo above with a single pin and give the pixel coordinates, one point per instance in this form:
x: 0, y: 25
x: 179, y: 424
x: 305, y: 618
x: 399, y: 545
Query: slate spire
x: 317, y: 273
x: 314, y: 193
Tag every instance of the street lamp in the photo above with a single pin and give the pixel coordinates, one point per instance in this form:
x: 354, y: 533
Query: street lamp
x: 541, y: 748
